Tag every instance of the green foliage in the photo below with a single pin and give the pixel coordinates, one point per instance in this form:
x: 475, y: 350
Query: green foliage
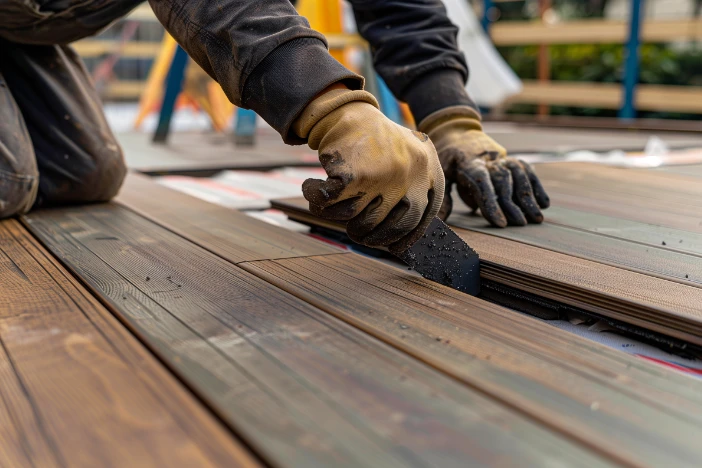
x: 661, y: 64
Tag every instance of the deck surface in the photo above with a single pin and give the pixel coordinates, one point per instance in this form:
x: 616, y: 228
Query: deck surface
x: 78, y: 389
x: 621, y: 243
x: 190, y: 332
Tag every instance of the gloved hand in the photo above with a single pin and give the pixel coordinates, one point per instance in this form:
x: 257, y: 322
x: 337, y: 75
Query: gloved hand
x: 506, y: 190
x: 384, y: 179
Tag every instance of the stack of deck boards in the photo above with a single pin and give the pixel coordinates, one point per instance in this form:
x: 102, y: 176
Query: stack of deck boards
x: 624, y: 244
x: 161, y: 330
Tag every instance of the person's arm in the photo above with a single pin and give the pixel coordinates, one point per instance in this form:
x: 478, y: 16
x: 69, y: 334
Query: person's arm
x: 262, y: 53
x: 384, y: 180
x: 415, y: 51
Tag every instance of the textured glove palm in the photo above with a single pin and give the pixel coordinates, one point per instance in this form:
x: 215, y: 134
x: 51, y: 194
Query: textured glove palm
x: 506, y: 190
x: 383, y: 179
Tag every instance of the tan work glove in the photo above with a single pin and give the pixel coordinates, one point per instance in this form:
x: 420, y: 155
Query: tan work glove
x: 384, y: 179
x: 506, y: 190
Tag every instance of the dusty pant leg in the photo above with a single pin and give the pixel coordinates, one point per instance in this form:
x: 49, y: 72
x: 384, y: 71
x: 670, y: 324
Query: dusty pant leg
x: 19, y: 178
x: 78, y: 157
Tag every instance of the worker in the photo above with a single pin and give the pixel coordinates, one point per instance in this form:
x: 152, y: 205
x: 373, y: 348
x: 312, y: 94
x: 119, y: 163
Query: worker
x: 384, y: 180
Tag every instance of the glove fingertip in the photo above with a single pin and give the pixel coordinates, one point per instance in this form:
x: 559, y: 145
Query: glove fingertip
x: 543, y: 200
x: 495, y: 217
x: 311, y: 190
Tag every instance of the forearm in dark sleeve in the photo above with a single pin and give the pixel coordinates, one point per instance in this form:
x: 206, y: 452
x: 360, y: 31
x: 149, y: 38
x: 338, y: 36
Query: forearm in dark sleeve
x: 262, y: 53
x: 415, y: 51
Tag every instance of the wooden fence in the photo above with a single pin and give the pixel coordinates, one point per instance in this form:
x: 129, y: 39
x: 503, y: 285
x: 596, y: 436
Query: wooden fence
x: 684, y: 99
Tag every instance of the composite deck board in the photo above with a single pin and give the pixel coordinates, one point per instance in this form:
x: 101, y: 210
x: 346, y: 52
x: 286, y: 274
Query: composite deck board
x: 565, y: 382
x: 657, y: 304
x: 242, y: 237
x: 653, y: 197
x: 301, y: 387
x: 77, y: 389
x: 644, y: 183
x: 624, y: 209
x: 672, y: 239
x: 490, y: 350
x: 653, y: 260
x: 668, y: 307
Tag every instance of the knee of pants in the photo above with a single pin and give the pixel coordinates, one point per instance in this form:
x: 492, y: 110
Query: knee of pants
x: 106, y: 179
x: 17, y: 193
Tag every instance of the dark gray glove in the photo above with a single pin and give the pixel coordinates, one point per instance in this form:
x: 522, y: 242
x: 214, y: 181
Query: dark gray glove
x: 506, y: 190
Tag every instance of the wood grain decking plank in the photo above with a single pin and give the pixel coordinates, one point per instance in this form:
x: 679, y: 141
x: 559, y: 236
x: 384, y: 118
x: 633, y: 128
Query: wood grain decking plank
x: 652, y: 197
x: 643, y: 183
x: 652, y: 260
x: 490, y: 351
x: 657, y: 304
x: 78, y: 389
x: 302, y: 388
x: 672, y: 239
x: 242, y: 237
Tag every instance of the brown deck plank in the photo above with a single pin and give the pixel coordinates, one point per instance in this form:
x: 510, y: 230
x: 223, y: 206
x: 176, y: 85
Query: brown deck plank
x: 651, y: 197
x: 302, y: 388
x: 654, y: 303
x: 672, y: 239
x: 571, y: 385
x: 660, y: 305
x: 78, y: 389
x: 242, y: 237
x: 507, y: 356
x: 652, y: 260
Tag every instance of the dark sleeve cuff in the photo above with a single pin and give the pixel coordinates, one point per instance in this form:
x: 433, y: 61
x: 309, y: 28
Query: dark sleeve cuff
x: 282, y: 85
x: 436, y: 90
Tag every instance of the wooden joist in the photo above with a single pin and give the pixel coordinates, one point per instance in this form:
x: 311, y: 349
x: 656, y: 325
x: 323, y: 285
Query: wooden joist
x: 78, y: 389
x: 88, y: 48
x: 300, y: 387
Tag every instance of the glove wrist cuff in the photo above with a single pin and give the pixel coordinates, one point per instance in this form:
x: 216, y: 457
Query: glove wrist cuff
x: 326, y: 104
x: 469, y: 118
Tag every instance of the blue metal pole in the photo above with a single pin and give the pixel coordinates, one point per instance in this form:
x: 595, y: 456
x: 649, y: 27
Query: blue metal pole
x: 631, y: 64
x: 174, y: 83
x: 485, y: 20
x: 245, y: 129
x: 388, y: 104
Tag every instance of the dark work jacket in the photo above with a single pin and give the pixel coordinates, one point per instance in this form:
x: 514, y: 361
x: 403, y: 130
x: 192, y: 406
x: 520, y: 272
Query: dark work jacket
x: 266, y: 57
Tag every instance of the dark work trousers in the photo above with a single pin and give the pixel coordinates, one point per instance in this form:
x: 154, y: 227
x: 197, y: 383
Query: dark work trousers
x: 55, y: 144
